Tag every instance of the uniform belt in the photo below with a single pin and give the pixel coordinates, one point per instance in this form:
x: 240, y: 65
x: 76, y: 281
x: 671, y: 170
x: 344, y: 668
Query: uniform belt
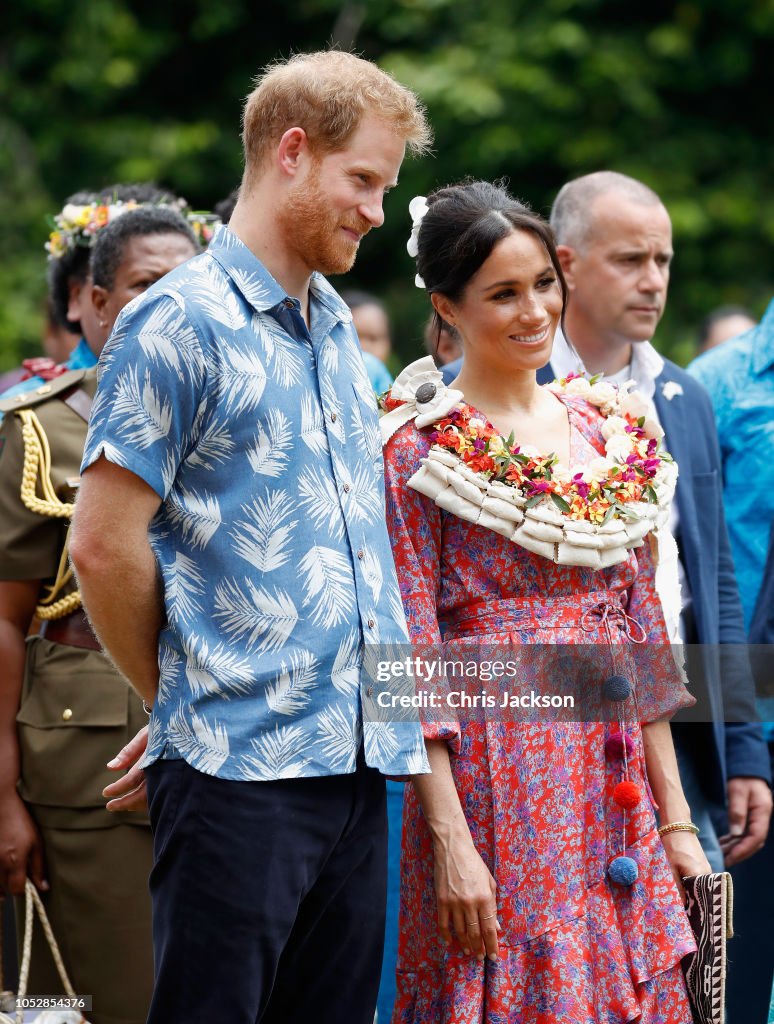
x: 74, y: 630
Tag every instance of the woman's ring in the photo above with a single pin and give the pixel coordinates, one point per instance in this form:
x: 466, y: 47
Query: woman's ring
x: 489, y: 918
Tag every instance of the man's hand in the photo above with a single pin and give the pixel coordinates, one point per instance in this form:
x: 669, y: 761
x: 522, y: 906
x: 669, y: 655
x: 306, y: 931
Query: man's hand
x: 129, y: 793
x: 749, y: 811
x: 21, y: 849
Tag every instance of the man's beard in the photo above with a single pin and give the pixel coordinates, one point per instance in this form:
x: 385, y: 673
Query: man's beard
x: 315, y: 232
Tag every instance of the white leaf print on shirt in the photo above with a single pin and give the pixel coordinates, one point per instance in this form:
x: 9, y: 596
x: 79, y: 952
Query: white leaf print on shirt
x: 328, y: 586
x: 168, y: 470
x: 365, y: 434
x: 374, y: 575
x: 241, y: 379
x: 395, y: 605
x: 214, y: 445
x: 166, y: 337
x: 182, y: 588
x: 380, y: 743
x: 416, y: 763
x: 196, y: 516
x: 363, y: 499
x: 214, y: 296
x: 250, y: 284
x: 353, y: 356
x: 338, y: 733
x: 330, y: 357
x: 271, y: 617
x: 169, y: 666
x: 263, y: 536
x: 216, y: 671
x: 282, y: 351
x: 313, y: 425
x: 144, y: 417
x: 320, y: 502
x: 290, y: 691
x: 270, y: 453
x: 203, y: 744
x: 278, y: 754
x: 333, y: 407
x: 345, y: 674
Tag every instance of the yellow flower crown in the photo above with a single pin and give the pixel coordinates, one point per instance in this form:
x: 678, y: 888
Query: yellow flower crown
x: 77, y: 226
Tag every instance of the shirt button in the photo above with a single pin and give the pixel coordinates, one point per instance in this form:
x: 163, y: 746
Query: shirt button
x: 333, y: 417
x: 370, y: 691
x: 347, y: 488
x: 67, y: 714
x: 288, y: 303
x: 361, y: 554
x: 371, y: 623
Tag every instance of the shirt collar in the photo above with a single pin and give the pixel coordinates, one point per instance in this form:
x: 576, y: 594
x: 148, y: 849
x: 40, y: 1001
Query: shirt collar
x: 258, y: 286
x: 646, y: 363
x: 763, y: 341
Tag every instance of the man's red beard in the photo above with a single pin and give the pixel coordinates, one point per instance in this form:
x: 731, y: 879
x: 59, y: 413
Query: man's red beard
x: 316, y: 233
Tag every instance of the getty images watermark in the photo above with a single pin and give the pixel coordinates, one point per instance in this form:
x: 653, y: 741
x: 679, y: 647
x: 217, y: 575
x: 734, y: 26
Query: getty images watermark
x: 418, y: 669
x: 469, y: 679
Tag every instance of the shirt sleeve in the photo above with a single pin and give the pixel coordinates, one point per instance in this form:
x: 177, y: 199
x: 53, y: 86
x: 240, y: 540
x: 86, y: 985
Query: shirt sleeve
x: 414, y: 524
x: 151, y: 386
x: 660, y: 683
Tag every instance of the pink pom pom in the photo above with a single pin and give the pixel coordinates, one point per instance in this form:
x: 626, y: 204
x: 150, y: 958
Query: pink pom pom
x: 614, y: 745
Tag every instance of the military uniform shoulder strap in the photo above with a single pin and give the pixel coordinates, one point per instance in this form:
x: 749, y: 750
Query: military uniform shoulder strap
x: 42, y: 393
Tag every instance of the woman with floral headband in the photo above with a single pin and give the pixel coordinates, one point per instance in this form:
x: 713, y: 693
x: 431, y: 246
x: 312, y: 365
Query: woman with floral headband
x: 535, y: 886
x: 74, y: 230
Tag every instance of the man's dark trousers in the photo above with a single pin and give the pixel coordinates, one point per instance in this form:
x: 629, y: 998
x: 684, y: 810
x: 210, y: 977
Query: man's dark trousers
x: 268, y: 897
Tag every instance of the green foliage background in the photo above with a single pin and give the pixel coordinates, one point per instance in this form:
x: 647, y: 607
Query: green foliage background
x: 677, y: 94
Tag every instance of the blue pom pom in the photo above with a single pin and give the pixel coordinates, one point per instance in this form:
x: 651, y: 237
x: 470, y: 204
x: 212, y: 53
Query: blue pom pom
x: 623, y: 871
x: 617, y: 688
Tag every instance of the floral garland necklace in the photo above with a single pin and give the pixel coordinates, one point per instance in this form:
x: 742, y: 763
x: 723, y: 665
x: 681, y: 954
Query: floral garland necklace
x: 590, y: 515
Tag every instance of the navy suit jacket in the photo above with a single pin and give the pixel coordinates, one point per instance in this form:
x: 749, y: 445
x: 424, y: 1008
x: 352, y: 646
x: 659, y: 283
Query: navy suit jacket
x: 726, y: 679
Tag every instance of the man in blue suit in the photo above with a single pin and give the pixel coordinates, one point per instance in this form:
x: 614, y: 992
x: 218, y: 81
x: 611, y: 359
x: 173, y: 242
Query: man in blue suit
x: 615, y: 243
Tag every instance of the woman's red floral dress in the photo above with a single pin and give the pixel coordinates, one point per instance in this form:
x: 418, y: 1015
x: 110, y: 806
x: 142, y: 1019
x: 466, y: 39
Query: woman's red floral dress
x: 575, y: 948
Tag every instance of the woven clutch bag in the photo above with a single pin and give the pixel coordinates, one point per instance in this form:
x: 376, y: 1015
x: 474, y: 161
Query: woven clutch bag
x: 709, y: 904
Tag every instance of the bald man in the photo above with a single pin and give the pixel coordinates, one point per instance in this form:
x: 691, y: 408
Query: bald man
x: 614, y: 239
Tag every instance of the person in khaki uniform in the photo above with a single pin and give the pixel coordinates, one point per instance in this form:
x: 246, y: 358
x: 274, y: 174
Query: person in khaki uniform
x: 64, y: 708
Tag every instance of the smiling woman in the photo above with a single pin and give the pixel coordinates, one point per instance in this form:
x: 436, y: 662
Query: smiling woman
x: 533, y: 843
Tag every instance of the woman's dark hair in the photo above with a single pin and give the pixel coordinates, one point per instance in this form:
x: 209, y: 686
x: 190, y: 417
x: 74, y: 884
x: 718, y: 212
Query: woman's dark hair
x: 74, y: 264
x: 462, y: 226
x: 110, y: 246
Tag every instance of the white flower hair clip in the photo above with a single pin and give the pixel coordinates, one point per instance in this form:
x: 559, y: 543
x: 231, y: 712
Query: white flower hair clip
x: 417, y: 209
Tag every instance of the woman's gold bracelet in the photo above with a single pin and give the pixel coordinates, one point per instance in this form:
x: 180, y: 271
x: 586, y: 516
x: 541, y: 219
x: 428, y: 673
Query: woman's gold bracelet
x: 678, y: 826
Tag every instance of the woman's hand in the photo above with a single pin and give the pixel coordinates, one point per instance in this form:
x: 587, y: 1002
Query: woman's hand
x: 685, y: 857
x: 466, y: 897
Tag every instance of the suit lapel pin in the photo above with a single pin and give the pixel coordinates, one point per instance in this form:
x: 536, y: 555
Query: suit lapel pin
x: 670, y: 388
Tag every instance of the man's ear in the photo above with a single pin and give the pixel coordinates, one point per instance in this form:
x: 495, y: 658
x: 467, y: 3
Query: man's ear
x: 567, y: 258
x: 293, y: 145
x: 99, y: 298
x: 444, y: 308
